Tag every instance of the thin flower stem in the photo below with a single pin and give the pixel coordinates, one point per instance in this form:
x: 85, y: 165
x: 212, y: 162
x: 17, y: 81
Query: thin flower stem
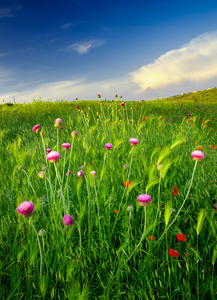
x: 57, y: 175
x: 39, y: 245
x: 29, y: 182
x: 181, y: 205
x: 80, y: 241
x: 102, y: 169
x: 64, y: 166
x: 140, y: 239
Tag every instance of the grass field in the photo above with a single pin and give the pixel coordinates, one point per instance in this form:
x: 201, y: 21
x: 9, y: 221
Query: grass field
x: 110, y: 252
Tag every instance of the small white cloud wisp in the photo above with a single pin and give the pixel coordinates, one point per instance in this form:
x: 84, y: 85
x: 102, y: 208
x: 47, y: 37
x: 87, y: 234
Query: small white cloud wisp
x: 83, y: 47
x: 196, y: 61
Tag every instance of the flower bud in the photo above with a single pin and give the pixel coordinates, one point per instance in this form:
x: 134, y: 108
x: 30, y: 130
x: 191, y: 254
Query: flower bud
x: 130, y: 208
x: 42, y: 232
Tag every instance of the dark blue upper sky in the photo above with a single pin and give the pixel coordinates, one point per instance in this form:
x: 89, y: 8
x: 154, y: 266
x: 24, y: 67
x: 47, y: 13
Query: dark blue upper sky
x: 73, y: 48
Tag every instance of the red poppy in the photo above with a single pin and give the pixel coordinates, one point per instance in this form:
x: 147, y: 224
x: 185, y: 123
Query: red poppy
x: 144, y: 118
x: 128, y: 183
x: 213, y: 147
x: 151, y: 237
x: 181, y: 237
x: 115, y: 211
x: 61, y: 127
x: 173, y: 253
x: 91, y: 163
x: 175, y: 191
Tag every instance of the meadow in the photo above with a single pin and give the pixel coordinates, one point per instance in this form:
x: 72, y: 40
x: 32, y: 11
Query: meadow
x: 109, y: 246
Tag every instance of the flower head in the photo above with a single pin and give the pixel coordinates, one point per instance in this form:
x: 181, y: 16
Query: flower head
x: 200, y: 147
x: 41, y: 174
x: 58, y: 120
x: 197, y: 155
x: 122, y: 104
x: 175, y: 191
x: 68, y: 173
x: 130, y: 208
x: 66, y: 146
x: 74, y: 133
x: 181, y: 237
x: 133, y: 141
x: 108, y: 146
x: 213, y: 147
x: 126, y: 166
x: 115, y: 211
x: 80, y: 174
x: 99, y: 96
x: 42, y: 232
x: 68, y: 220
x: 116, y: 95
x: 36, y: 128
x: 26, y: 208
x: 48, y: 150
x: 215, y: 206
x: 151, y: 238
x: 173, y: 253
x: 128, y: 183
x: 160, y: 167
x: 144, y: 199
x: 53, y: 156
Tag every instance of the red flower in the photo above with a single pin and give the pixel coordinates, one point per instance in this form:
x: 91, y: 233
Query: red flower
x: 144, y: 118
x: 173, y: 253
x: 61, y: 127
x: 151, y: 237
x: 213, y: 147
x: 127, y: 183
x: 115, y: 211
x: 175, y: 191
x: 91, y: 163
x: 181, y: 237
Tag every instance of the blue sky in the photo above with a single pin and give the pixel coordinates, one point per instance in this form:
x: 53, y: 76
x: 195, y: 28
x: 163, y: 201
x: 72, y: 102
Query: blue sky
x: 63, y: 49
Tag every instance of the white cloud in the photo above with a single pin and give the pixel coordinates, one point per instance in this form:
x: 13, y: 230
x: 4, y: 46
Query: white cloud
x: 66, y: 25
x: 69, y: 90
x: 83, y: 47
x: 195, y: 62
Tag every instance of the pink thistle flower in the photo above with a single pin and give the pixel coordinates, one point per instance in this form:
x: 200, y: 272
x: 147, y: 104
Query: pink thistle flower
x: 141, y: 100
x: 93, y: 173
x: 68, y: 220
x: 144, y: 199
x: 197, y: 155
x: 80, y: 174
x: 53, y: 156
x: 58, y: 120
x: 74, y: 133
x: 116, y: 95
x: 122, y: 104
x: 26, y: 208
x: 126, y: 166
x: 76, y: 107
x: 36, y: 128
x: 99, y: 96
x: 108, y: 146
x: 48, y: 150
x: 76, y: 98
x: 41, y: 174
x: 160, y: 167
x: 66, y: 146
x: 133, y: 141
x: 68, y: 173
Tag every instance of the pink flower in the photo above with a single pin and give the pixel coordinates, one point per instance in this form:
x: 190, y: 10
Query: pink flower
x: 144, y: 199
x: 58, y: 120
x: 133, y: 141
x: 66, y: 146
x: 108, y: 146
x: 80, y: 174
x: 68, y: 220
x: 68, y: 173
x: 36, y: 128
x: 142, y: 100
x: 74, y: 133
x: 99, y: 96
x: 215, y: 206
x: 53, y: 156
x: 48, y: 150
x: 26, y: 208
x: 76, y: 98
x: 76, y: 107
x: 122, y: 104
x: 126, y: 166
x: 41, y: 174
x: 93, y: 173
x: 116, y: 95
x: 197, y: 155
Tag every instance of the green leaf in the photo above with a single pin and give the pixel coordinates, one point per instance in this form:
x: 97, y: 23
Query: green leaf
x: 200, y: 220
x: 167, y: 212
